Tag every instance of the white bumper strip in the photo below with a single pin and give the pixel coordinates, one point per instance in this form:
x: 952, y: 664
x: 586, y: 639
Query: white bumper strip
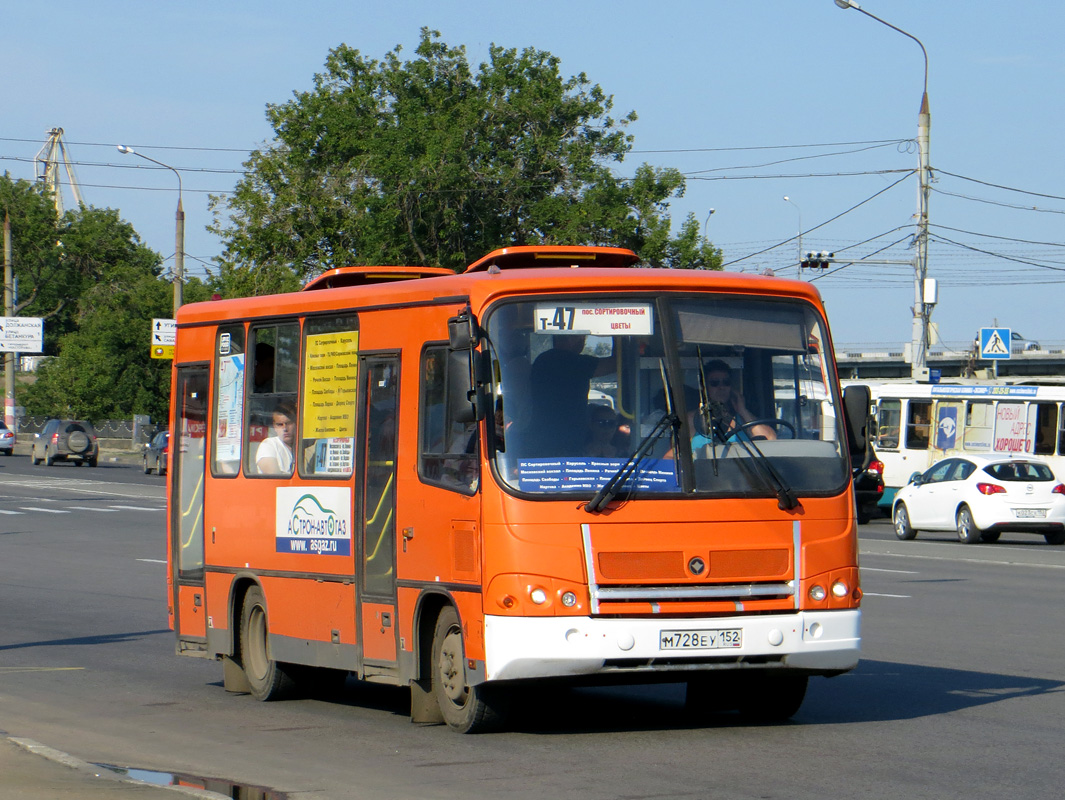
x: 549, y: 647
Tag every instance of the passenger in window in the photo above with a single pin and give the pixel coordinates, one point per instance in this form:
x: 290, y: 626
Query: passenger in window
x: 274, y: 454
x: 603, y: 433
x: 561, y: 378
x: 727, y: 406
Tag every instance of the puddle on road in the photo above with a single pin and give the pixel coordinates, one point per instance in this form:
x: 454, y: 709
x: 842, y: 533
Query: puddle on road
x: 237, y: 791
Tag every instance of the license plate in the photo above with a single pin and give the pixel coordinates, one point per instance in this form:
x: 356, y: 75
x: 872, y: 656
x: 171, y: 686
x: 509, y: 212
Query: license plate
x: 1030, y: 513
x: 712, y: 639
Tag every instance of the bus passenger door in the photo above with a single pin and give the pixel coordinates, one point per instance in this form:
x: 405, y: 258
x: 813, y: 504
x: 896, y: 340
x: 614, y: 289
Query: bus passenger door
x: 376, y: 603
x: 188, y: 437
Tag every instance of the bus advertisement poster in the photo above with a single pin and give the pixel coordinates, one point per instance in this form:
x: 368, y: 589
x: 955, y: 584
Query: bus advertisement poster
x: 314, y: 520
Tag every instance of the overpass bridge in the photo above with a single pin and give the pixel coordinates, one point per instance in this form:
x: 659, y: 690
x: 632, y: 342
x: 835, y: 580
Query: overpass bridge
x: 864, y: 361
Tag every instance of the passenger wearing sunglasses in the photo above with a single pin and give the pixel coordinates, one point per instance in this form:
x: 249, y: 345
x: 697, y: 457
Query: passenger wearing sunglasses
x: 727, y: 407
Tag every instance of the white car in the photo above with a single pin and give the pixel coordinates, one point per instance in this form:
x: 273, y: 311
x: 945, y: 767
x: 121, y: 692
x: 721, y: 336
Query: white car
x: 980, y: 496
x: 7, y: 439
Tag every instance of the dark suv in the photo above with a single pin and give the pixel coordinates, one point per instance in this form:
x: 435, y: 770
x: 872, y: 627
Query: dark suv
x: 66, y: 440
x: 868, y: 489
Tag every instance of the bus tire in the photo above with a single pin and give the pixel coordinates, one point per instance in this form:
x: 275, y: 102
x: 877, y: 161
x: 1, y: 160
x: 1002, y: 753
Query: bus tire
x: 901, y: 520
x: 772, y: 698
x: 268, y: 679
x: 465, y: 708
x: 968, y: 533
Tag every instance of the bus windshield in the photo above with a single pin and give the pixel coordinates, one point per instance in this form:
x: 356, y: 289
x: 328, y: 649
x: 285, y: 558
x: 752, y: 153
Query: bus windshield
x: 578, y: 386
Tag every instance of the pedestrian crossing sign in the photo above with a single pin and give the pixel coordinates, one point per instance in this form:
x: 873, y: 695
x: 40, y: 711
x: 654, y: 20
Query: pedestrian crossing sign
x: 995, y: 343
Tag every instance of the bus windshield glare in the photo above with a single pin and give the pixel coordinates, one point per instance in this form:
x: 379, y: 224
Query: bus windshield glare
x: 579, y: 386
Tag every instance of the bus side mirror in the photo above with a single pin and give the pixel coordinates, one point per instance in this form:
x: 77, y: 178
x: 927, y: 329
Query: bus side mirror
x: 856, y: 403
x: 465, y: 386
x: 463, y: 332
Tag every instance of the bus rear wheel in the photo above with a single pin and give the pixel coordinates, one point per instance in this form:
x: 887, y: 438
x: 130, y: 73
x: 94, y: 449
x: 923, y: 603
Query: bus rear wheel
x: 465, y: 708
x: 268, y: 679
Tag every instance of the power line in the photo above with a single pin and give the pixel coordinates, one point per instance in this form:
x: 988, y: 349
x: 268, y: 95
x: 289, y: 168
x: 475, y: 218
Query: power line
x: 1002, y: 238
x: 999, y: 186
x: 774, y: 147
x: 826, y: 222
x: 937, y: 237
x: 998, y: 202
x: 139, y: 146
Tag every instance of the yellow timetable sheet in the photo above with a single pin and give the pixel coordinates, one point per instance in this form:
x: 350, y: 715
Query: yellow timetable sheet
x: 330, y: 385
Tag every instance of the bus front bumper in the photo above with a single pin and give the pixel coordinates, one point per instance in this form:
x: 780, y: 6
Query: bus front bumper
x: 816, y: 642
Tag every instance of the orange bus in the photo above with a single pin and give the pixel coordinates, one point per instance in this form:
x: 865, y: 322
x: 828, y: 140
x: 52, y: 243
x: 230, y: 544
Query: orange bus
x: 554, y: 466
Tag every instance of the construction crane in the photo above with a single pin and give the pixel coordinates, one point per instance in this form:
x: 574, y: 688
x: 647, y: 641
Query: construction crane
x: 49, y: 159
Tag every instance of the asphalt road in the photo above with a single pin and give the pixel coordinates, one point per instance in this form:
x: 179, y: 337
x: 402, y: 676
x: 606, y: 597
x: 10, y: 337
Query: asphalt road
x: 959, y: 693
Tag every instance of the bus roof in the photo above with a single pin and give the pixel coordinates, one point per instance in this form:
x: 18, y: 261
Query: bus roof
x: 521, y: 271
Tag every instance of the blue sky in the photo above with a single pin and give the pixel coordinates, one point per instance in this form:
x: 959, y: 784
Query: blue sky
x: 734, y: 94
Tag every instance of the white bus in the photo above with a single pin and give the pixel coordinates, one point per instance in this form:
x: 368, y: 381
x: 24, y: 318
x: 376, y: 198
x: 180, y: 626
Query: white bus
x: 919, y: 424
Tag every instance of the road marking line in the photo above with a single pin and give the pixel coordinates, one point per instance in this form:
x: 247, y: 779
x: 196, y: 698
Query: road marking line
x: 153, y: 560
x: 960, y: 560
x: 897, y: 571
x: 5, y: 511
x: 91, y: 508
x: 45, y: 510
x: 138, y: 508
x: 877, y: 594
x: 9, y: 670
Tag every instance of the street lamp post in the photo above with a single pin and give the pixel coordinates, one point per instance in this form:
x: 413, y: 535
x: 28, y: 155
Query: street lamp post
x: 922, y: 310
x: 179, y: 228
x: 799, y: 263
x: 705, y: 240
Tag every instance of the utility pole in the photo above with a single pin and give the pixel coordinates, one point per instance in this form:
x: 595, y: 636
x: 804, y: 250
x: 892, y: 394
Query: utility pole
x: 9, y: 311
x: 924, y: 291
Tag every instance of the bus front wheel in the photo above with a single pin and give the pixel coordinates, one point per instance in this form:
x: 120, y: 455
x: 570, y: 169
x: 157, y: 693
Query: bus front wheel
x: 267, y: 678
x: 465, y: 708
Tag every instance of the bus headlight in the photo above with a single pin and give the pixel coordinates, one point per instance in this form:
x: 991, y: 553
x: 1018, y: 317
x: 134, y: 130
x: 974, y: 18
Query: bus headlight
x: 569, y: 599
x: 538, y: 596
x: 817, y: 593
x: 839, y: 589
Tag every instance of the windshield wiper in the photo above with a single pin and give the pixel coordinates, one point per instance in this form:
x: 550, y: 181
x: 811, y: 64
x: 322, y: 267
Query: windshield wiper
x: 669, y: 421
x: 786, y: 498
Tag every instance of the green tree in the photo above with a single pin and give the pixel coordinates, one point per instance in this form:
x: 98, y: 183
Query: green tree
x: 103, y: 368
x: 430, y: 162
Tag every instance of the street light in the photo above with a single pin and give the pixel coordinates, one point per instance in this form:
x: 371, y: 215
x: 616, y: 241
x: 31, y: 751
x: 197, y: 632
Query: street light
x: 922, y: 302
x: 179, y: 237
x: 710, y: 214
x: 789, y: 200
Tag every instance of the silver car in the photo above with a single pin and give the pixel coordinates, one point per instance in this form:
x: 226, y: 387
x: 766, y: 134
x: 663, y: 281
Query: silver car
x: 66, y: 440
x: 7, y: 439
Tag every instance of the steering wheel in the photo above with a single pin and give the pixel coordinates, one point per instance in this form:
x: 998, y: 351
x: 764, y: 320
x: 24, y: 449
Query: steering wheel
x: 773, y: 423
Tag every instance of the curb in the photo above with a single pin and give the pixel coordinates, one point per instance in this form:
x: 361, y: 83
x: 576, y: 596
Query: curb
x: 93, y: 771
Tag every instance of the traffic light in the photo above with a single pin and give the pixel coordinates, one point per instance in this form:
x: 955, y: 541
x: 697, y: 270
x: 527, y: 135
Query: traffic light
x: 819, y: 260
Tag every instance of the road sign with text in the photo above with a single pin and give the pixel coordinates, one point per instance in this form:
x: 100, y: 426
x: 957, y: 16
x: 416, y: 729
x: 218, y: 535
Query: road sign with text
x: 164, y: 332
x: 21, y: 334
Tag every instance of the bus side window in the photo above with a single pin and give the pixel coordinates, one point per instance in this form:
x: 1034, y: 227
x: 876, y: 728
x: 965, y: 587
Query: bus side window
x: 918, y: 424
x: 270, y: 435
x: 448, y: 451
x: 888, y: 424
x: 228, y: 400
x: 1046, y: 425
